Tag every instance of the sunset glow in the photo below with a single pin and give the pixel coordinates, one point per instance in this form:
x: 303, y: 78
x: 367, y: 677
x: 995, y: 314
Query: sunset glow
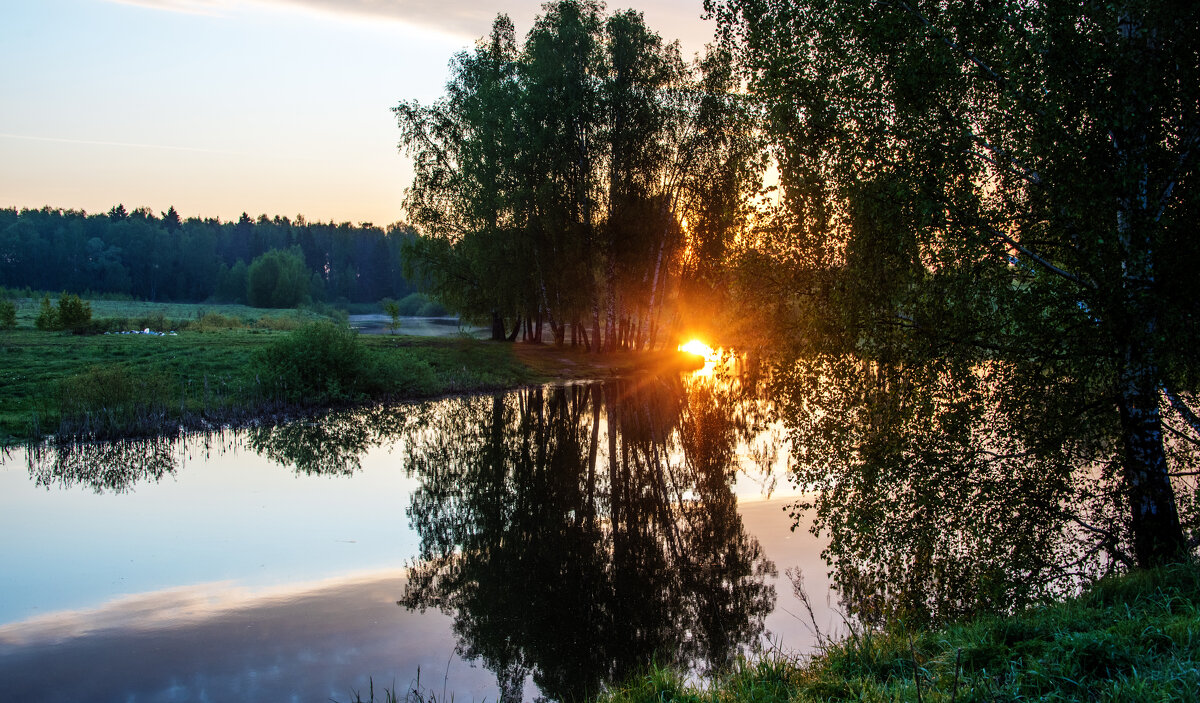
x: 699, y: 348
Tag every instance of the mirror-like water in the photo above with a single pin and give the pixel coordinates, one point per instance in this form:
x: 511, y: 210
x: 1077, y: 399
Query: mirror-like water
x: 538, y: 542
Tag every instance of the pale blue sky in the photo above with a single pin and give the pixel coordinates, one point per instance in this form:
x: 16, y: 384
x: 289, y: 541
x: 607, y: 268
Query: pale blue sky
x: 224, y: 106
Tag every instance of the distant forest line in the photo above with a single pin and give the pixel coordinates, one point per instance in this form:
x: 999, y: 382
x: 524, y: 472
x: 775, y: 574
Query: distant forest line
x: 166, y: 258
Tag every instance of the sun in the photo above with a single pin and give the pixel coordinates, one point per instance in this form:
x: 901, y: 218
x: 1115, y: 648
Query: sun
x: 698, y: 348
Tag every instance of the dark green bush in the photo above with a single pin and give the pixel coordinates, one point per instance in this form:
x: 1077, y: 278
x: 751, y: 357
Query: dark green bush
x: 323, y: 362
x: 8, y: 314
x: 318, y: 363
x: 73, y: 313
x: 112, y: 401
x: 47, y: 318
x: 400, y: 372
x: 419, y: 305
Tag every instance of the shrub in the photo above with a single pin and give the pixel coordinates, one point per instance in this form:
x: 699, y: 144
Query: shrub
x: 318, y: 363
x: 402, y: 373
x: 215, y: 321
x: 392, y: 309
x: 8, y: 314
x: 432, y: 309
x: 47, y: 318
x: 111, y: 401
x: 156, y: 321
x: 73, y: 313
x: 281, y: 323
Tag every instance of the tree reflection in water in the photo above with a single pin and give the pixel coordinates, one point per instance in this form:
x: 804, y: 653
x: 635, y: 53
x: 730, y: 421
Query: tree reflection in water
x: 333, y: 443
x: 577, y: 533
x: 105, y: 467
x: 955, y: 486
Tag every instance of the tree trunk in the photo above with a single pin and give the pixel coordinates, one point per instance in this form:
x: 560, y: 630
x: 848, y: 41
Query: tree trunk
x: 1157, y: 535
x: 497, y: 327
x: 610, y: 326
x: 595, y: 341
x: 516, y: 330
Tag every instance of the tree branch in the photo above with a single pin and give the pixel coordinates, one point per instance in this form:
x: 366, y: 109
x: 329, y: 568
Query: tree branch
x: 1000, y: 80
x: 1188, y: 144
x: 1184, y: 411
x: 1030, y: 175
x: 1074, y: 278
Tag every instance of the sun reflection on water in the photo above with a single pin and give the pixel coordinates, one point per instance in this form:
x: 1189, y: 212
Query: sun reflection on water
x: 712, y: 357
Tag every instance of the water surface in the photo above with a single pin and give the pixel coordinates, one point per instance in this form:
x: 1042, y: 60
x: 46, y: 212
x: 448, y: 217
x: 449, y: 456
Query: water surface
x: 538, y: 542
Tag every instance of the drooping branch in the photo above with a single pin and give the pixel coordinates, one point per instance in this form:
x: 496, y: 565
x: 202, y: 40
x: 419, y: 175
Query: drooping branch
x: 1010, y: 241
x: 1029, y: 174
x: 1181, y: 163
x: 1185, y: 412
x: 955, y: 46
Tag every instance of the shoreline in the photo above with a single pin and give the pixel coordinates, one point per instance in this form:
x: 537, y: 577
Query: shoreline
x: 199, y: 380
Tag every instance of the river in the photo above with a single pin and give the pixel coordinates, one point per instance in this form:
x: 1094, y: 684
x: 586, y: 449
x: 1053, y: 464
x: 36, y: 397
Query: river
x: 540, y: 542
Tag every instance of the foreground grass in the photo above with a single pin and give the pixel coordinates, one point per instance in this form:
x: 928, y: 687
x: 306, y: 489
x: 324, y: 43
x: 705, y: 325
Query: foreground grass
x: 112, y: 385
x: 1132, y: 638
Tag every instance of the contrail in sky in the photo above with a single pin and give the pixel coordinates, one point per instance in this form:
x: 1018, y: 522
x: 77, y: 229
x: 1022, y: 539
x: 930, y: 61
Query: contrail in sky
x: 62, y: 140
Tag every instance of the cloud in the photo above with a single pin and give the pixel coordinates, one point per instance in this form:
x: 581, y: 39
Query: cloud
x: 673, y: 19
x: 220, y: 641
x: 469, y: 19
x: 458, y: 17
x: 188, y: 605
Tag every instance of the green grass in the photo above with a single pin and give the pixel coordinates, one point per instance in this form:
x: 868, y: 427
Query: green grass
x: 179, y: 313
x: 116, y: 385
x: 45, y: 375
x: 1130, y: 638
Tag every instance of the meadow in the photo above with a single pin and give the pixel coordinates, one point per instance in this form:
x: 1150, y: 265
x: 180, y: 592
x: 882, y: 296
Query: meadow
x: 204, y: 366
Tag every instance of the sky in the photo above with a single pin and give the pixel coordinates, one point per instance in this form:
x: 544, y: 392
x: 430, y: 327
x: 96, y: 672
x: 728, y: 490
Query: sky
x: 218, y: 107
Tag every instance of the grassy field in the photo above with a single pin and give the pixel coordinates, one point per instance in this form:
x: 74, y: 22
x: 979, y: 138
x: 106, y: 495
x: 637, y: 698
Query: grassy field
x: 1130, y: 638
x: 178, y: 313
x: 114, y: 384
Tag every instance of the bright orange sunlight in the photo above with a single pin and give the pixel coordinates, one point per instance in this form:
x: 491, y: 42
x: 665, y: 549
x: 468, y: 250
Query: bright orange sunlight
x: 699, y: 348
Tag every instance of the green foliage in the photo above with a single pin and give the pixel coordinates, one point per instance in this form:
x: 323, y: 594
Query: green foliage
x: 985, y: 257
x: 318, y: 363
x: 1132, y: 638
x: 112, y: 401
x: 47, y: 318
x: 419, y: 305
x: 231, y: 283
x: 323, y: 362
x: 277, y: 279
x: 143, y: 256
x: 8, y: 314
x: 554, y: 178
x: 73, y: 313
x: 392, y: 309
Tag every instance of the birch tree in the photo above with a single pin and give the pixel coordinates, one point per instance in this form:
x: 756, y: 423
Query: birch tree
x: 1013, y: 180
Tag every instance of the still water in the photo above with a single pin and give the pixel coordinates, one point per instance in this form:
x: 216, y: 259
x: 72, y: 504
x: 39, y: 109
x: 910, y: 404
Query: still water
x: 541, y: 542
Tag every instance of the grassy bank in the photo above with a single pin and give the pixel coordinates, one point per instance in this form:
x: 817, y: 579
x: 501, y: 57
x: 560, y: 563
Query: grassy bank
x: 1132, y: 638
x: 210, y: 373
